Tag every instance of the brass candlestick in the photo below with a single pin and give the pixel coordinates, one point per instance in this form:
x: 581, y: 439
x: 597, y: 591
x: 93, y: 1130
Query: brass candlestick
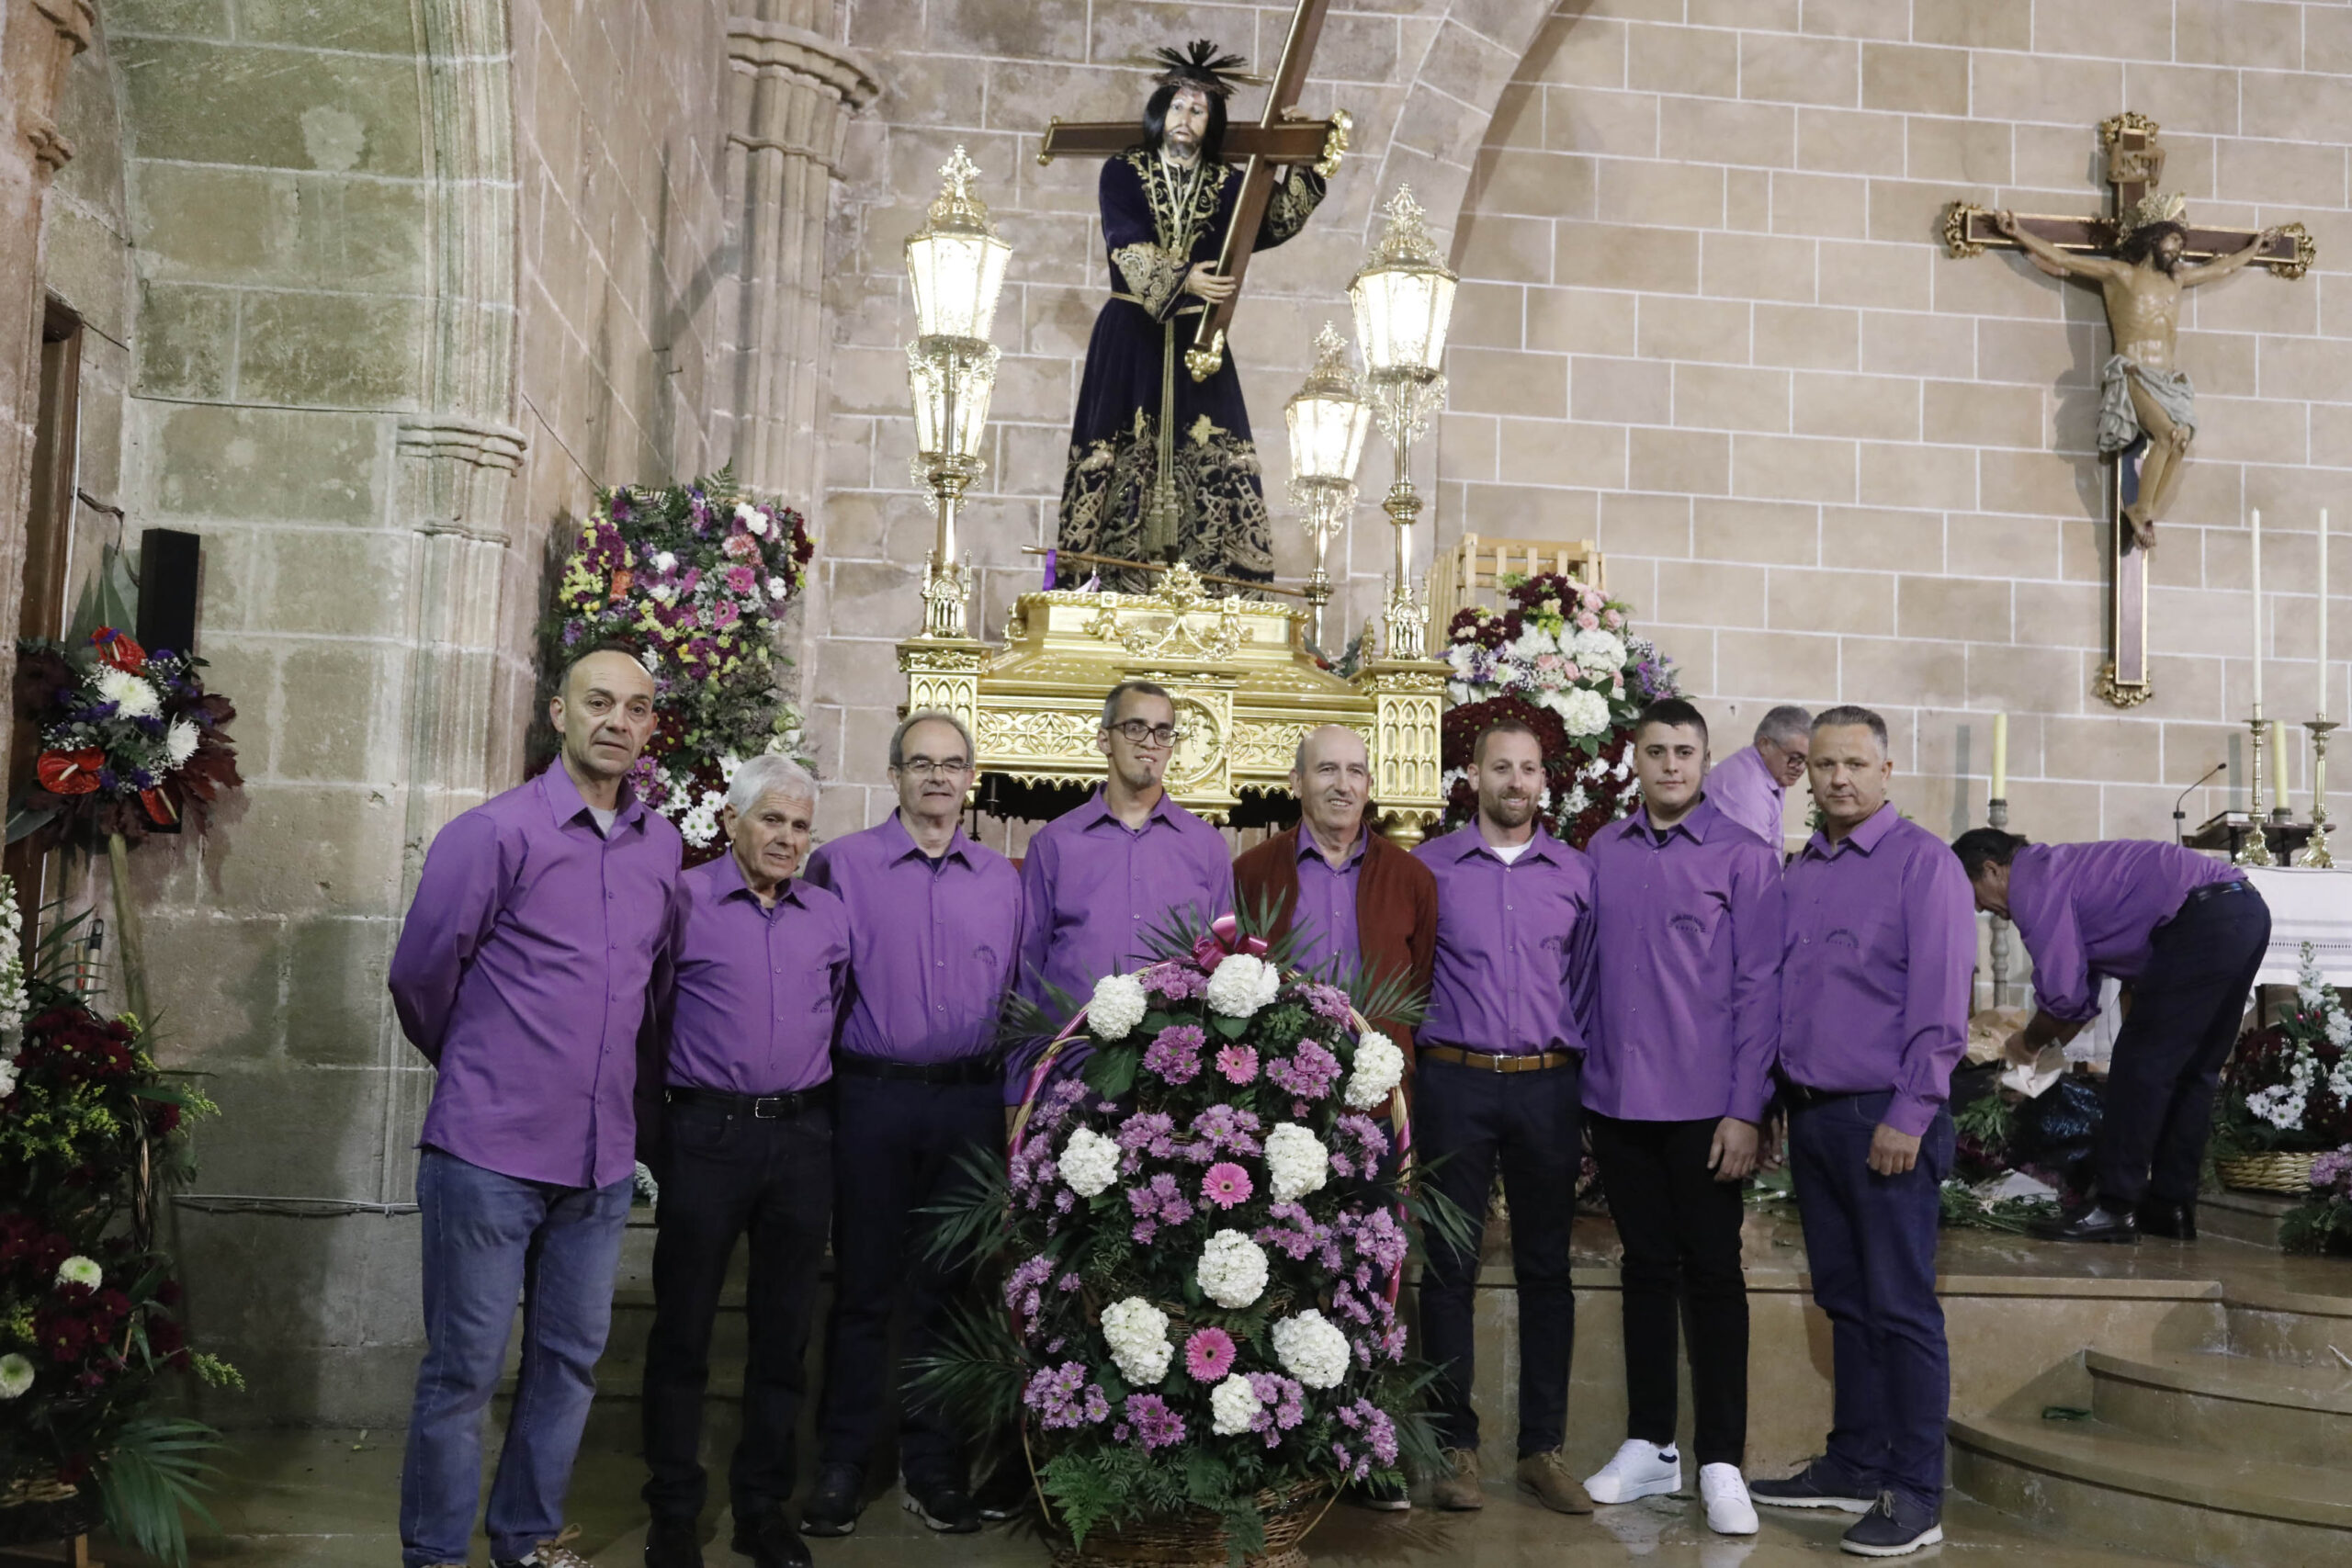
x: 2257, y: 851
x: 1997, y: 813
x: 2315, y: 851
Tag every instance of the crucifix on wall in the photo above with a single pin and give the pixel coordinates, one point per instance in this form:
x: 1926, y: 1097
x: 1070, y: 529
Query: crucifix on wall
x: 2140, y: 257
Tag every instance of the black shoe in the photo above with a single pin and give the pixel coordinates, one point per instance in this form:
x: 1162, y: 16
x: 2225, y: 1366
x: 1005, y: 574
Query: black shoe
x: 1006, y: 1494
x: 1817, y: 1486
x: 768, y: 1539
x: 2162, y: 1216
x: 673, y: 1544
x: 1896, y: 1527
x: 834, y: 1510
x: 1384, y: 1497
x: 2098, y: 1222
x: 943, y: 1504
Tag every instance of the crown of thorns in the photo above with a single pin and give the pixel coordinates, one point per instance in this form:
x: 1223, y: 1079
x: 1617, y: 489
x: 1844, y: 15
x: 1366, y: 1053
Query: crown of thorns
x: 1200, y: 65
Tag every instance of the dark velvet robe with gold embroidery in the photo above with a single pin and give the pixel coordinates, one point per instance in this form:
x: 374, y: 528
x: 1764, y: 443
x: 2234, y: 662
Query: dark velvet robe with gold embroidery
x: 1154, y: 236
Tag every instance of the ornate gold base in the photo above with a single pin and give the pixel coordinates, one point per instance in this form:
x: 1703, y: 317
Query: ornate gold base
x: 2116, y: 694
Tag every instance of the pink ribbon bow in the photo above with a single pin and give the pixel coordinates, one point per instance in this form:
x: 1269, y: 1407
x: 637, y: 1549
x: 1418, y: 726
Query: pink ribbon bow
x: 1222, y: 941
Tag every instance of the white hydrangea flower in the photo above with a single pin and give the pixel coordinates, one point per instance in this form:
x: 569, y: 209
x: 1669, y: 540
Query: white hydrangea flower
x: 1232, y: 1270
x: 1118, y: 1005
x: 1379, y: 1068
x: 80, y: 1271
x: 1137, y: 1332
x: 664, y: 561
x: 1233, y: 1405
x: 180, y: 742
x: 1243, y: 984
x: 1297, y: 1160
x: 778, y: 587
x: 1600, y: 652
x: 1089, y: 1162
x: 1311, y: 1348
x: 134, y: 696
x: 16, y: 1375
x: 752, y: 518
x: 1583, y: 712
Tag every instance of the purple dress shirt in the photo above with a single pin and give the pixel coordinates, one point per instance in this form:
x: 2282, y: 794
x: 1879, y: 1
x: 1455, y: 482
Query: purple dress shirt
x: 1881, y: 954
x: 522, y: 974
x: 1514, y: 946
x: 1325, y: 920
x: 2087, y: 911
x: 1094, y: 891
x: 1744, y: 789
x: 751, y: 1004
x: 1688, y: 932
x: 933, y: 943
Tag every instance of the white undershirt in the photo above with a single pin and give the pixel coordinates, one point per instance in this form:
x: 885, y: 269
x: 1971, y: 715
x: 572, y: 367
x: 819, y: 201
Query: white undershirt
x: 1509, y: 852
x: 604, y: 817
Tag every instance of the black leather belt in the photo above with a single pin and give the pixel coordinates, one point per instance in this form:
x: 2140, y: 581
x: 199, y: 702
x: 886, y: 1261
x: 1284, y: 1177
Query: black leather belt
x: 2214, y: 890
x: 1805, y: 1097
x: 963, y: 1070
x: 759, y: 1107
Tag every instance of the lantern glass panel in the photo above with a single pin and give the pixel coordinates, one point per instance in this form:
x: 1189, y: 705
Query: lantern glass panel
x: 957, y: 275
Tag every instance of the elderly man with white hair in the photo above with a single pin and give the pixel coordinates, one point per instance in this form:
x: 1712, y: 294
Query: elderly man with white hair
x: 745, y: 1015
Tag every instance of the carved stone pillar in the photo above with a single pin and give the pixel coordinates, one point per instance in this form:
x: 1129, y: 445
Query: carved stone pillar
x: 790, y: 96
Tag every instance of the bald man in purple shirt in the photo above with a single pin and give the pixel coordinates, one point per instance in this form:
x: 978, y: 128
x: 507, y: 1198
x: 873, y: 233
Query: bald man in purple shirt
x: 2188, y: 934
x: 522, y: 974
x: 1880, y: 953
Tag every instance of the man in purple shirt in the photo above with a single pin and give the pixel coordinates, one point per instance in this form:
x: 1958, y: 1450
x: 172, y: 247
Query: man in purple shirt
x: 1879, y: 954
x: 1675, y: 1081
x: 1749, y: 785
x: 522, y: 975
x: 2188, y: 934
x: 934, y: 926
x: 1099, y: 882
x: 746, y: 1014
x: 1510, y: 1009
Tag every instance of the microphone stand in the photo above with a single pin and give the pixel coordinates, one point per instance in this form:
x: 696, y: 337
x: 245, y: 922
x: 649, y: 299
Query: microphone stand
x: 2180, y: 817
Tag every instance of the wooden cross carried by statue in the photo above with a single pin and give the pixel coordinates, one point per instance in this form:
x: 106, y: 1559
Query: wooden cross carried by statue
x: 1279, y: 139
x: 2142, y: 256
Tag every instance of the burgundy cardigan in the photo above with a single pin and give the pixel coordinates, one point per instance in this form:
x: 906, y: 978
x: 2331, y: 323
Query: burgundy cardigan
x: 1396, y: 909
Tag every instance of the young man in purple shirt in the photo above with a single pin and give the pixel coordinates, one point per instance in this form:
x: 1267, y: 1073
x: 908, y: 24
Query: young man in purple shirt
x: 934, y: 926
x: 1750, y: 785
x: 1675, y: 1076
x: 745, y: 1015
x: 1880, y: 953
x: 522, y: 975
x: 2188, y: 934
x: 1494, y: 1081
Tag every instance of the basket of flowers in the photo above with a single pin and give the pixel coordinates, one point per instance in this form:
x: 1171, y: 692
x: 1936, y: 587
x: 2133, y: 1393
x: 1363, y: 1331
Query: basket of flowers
x: 2287, y: 1092
x: 1198, y: 1243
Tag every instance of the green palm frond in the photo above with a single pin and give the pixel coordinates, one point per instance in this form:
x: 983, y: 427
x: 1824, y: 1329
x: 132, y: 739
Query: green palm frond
x: 150, y: 1480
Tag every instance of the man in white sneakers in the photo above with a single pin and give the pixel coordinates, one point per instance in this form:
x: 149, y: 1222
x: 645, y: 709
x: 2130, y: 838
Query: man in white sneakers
x: 1688, y: 923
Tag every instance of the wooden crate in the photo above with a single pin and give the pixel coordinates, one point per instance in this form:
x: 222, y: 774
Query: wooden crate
x: 1470, y: 573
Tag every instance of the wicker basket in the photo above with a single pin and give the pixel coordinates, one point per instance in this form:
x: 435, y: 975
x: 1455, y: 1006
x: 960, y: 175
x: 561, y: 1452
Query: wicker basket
x: 2271, y: 1172
x: 33, y: 1512
x: 1196, y: 1539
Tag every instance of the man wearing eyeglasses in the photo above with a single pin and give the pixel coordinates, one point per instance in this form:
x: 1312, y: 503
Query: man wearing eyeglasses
x: 1100, y: 880
x: 934, y: 932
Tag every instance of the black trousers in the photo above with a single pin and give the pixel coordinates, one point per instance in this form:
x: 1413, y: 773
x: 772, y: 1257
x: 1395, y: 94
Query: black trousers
x: 1467, y: 1121
x: 2185, y: 1014
x: 1679, y: 1227
x: 725, y: 1172
x: 901, y: 1148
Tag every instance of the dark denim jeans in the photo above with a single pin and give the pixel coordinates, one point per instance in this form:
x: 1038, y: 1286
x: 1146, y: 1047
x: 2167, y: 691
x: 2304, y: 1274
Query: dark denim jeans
x: 489, y: 1239
x: 1870, y: 1242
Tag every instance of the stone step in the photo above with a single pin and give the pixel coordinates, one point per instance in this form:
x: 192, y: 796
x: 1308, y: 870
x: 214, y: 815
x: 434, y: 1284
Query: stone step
x: 2232, y: 1405
x: 2241, y: 1216
x: 2091, y: 1482
x: 2278, y: 1323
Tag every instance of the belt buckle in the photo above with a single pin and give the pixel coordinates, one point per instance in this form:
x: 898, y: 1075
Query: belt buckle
x: 768, y: 1107
x: 1501, y: 1063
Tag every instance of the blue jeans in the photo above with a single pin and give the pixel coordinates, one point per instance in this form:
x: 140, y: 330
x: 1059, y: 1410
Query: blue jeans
x: 488, y: 1240
x: 1869, y: 1241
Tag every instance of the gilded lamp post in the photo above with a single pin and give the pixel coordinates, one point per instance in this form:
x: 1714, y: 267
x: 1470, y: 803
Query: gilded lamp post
x: 1404, y: 300
x: 955, y: 265
x: 1327, y: 420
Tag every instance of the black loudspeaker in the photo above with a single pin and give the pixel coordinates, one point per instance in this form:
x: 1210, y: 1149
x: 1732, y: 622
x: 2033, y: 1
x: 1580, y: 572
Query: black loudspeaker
x: 168, y: 566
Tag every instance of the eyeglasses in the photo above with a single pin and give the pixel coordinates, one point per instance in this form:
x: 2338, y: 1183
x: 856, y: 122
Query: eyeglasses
x: 1142, y: 734
x: 924, y: 768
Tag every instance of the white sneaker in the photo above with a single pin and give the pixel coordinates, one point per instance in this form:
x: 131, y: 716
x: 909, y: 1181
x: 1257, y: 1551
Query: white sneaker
x: 1724, y: 1491
x: 1640, y: 1470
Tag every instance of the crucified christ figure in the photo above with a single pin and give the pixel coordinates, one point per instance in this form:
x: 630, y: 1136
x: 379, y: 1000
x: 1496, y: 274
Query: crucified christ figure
x: 2142, y: 392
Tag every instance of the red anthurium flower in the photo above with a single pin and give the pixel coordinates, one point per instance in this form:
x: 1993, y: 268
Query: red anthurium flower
x: 159, y: 808
x: 70, y: 773
x: 117, y: 648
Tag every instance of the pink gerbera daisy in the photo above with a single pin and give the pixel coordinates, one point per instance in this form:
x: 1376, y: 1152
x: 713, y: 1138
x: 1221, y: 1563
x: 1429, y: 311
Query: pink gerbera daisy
x: 1208, y: 1354
x: 1225, y: 1184
x: 1238, y: 1062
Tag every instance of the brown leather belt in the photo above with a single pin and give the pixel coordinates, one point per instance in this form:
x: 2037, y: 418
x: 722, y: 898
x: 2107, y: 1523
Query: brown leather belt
x: 1518, y: 1061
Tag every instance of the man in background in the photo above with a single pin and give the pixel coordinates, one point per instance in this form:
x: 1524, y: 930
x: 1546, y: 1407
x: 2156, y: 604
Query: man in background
x: 1751, y: 787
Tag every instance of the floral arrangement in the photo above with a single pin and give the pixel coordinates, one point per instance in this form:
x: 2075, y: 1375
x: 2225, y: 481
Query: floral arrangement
x: 1198, y: 1252
x: 130, y: 743
x: 698, y: 577
x: 2323, y: 1221
x: 1559, y: 655
x: 2287, y: 1089
x: 91, y: 1133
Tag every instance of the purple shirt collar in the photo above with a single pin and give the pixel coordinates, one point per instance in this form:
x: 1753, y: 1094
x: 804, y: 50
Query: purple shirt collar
x: 1865, y: 837
x: 1097, y: 811
x: 565, y: 802
x: 1471, y: 841
x: 1307, y: 846
x: 1696, y: 824
x: 899, y: 842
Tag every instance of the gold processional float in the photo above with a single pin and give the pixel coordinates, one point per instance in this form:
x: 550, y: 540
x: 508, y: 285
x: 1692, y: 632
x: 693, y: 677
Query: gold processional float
x: 1246, y: 682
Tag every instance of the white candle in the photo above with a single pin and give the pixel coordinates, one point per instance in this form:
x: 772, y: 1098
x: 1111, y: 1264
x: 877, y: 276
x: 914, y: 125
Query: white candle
x: 2278, y: 766
x: 2322, y: 613
x: 2000, y: 756
x: 2256, y: 580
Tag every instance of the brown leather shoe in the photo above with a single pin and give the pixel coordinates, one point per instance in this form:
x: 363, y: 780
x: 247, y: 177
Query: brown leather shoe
x: 1546, y: 1475
x: 1458, y: 1489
